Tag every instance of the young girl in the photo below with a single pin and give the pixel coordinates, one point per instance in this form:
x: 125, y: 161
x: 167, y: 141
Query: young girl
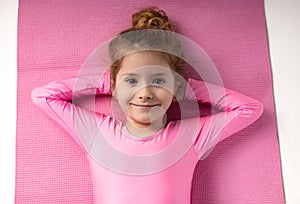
x: 145, y: 159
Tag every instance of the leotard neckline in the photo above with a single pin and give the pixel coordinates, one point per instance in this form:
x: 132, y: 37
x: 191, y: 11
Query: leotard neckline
x: 149, y: 137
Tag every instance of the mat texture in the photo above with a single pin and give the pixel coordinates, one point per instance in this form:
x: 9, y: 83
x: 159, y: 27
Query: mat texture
x: 54, y: 39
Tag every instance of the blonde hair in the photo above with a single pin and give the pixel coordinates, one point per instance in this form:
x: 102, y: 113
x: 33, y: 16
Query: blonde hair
x: 143, y: 35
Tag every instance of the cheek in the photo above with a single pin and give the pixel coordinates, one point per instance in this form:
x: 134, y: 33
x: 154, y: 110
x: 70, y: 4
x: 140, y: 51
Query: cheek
x: 166, y: 98
x: 122, y: 95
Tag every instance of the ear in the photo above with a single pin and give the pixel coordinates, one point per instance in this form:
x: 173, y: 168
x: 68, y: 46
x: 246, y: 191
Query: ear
x: 113, y: 90
x: 179, y: 88
x: 114, y: 96
x: 177, y: 85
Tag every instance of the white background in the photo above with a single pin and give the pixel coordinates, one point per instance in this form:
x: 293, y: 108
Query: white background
x: 284, y: 33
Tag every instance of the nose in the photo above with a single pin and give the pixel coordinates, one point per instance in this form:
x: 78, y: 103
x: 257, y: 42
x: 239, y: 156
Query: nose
x: 145, y: 93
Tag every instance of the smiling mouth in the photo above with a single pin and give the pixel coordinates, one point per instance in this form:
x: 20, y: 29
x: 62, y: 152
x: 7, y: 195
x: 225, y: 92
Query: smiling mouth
x: 144, y: 105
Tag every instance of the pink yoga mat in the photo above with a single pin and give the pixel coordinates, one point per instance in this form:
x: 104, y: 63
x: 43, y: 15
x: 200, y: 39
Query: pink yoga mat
x: 54, y: 39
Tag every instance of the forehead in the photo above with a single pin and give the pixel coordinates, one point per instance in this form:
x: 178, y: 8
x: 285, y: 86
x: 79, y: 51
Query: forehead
x: 145, y: 61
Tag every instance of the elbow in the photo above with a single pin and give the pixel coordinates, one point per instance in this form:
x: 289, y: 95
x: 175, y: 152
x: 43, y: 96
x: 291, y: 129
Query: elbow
x: 257, y: 109
x: 260, y: 109
x: 35, y: 96
x: 253, y: 110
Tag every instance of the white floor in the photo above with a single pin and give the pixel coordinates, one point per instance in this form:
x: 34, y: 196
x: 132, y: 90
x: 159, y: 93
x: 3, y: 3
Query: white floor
x: 283, y: 21
x: 284, y: 32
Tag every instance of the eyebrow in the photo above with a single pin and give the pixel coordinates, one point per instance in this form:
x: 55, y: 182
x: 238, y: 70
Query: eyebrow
x: 129, y: 74
x: 160, y: 74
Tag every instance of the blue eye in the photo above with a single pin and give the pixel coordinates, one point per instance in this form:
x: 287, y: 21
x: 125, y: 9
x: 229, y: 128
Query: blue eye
x: 159, y: 81
x: 131, y: 81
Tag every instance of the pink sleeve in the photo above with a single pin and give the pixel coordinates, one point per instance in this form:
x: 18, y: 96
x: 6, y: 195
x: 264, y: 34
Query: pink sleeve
x: 55, y: 99
x: 237, y: 111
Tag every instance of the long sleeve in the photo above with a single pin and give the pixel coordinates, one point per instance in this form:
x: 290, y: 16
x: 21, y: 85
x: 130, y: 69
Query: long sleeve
x: 236, y: 112
x: 55, y: 99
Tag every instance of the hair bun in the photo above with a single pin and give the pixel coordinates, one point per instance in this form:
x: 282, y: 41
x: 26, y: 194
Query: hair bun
x: 151, y: 18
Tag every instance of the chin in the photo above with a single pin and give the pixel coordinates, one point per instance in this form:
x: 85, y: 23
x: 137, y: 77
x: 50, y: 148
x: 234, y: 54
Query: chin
x: 141, y: 122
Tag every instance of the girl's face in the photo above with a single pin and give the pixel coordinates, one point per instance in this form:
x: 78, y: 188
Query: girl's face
x: 144, y: 88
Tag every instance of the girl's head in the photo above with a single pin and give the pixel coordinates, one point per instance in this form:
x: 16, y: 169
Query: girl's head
x: 145, y: 35
x: 144, y: 73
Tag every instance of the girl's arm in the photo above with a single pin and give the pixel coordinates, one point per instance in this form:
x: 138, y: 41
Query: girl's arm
x: 55, y: 99
x: 237, y: 111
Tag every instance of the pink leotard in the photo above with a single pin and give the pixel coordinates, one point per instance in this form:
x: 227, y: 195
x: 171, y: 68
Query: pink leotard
x: 169, y: 185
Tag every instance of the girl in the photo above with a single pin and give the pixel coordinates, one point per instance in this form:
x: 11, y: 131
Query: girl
x: 145, y: 159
